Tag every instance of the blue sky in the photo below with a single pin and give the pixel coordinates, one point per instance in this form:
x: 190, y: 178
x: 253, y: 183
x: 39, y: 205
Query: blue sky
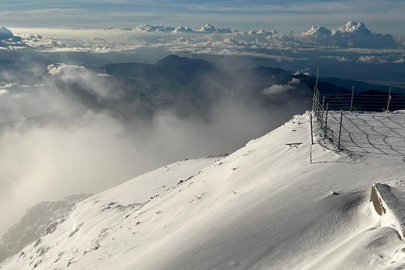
x: 381, y: 16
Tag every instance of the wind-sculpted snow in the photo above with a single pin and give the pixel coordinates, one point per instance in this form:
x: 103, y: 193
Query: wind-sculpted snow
x: 262, y: 207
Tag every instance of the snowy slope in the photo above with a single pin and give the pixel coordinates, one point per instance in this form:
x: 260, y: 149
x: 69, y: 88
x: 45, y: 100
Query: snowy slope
x: 262, y: 207
x: 38, y: 221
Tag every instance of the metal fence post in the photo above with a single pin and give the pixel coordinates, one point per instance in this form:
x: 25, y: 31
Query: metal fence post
x: 313, y: 99
x: 351, y: 101
x: 312, y: 133
x: 340, y: 127
x: 389, y: 100
x: 316, y: 92
x: 323, y: 112
x: 326, y: 117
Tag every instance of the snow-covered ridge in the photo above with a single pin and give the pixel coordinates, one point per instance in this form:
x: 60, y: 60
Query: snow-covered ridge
x: 39, y: 220
x: 262, y: 207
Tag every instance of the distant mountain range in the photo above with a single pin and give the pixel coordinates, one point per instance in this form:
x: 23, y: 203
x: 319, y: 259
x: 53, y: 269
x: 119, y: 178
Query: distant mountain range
x: 191, y: 86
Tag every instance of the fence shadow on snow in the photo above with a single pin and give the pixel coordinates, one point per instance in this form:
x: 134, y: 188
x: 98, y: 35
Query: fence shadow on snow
x: 350, y: 122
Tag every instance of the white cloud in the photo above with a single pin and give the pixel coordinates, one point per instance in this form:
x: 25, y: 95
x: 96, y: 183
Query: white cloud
x: 304, y: 71
x: 263, y: 32
x: 277, y: 88
x: 351, y: 35
x: 208, y: 28
x: 183, y: 29
x: 20, y: 95
x: 63, y: 69
x: 372, y: 59
x: 400, y: 61
x: 338, y: 58
x: 9, y: 41
x: 353, y: 28
x: 8, y: 85
x: 3, y: 92
x: 317, y: 31
x: 154, y: 28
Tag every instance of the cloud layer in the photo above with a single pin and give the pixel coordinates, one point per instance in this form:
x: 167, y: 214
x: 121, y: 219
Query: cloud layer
x: 211, y: 40
x: 342, y: 51
x: 351, y: 35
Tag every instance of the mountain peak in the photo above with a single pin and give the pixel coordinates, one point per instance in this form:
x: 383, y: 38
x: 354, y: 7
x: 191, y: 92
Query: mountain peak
x: 173, y: 60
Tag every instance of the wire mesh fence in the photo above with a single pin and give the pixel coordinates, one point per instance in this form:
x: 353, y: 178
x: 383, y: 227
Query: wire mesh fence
x: 350, y: 121
x: 364, y: 102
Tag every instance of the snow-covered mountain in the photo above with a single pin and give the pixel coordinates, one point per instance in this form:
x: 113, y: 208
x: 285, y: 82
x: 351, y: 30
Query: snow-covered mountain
x: 39, y: 220
x: 262, y: 207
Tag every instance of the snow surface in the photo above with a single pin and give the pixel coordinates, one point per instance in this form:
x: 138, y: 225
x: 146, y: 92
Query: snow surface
x: 263, y: 207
